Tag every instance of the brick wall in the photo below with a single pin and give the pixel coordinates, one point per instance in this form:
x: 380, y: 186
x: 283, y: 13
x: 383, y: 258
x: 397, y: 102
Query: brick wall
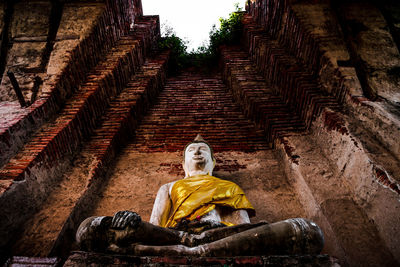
x: 324, y: 51
x: 76, y: 50
x: 78, y: 99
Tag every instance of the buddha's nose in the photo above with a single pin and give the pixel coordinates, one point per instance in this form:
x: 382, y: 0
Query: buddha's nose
x: 197, y: 152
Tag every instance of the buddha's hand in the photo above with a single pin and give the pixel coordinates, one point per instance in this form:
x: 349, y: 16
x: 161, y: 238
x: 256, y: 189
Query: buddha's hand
x: 124, y: 218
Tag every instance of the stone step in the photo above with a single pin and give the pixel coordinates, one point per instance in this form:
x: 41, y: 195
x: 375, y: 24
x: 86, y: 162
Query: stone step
x: 28, y: 177
x: 258, y: 100
x: 32, y: 261
x: 85, y: 258
x: 275, y: 91
x: 298, y: 86
x: 102, y: 77
x: 192, y: 104
x: 69, y: 62
x: 341, y: 150
x: 49, y: 230
x: 79, y: 114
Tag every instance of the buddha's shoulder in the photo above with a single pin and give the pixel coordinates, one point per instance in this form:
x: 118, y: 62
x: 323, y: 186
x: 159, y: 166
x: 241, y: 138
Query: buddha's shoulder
x: 167, y: 187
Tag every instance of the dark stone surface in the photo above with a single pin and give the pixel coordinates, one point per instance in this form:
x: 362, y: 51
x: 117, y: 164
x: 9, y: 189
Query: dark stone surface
x: 32, y: 261
x: 80, y: 258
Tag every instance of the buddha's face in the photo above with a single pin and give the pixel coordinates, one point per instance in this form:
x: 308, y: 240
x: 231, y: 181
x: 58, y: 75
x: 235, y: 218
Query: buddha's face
x: 198, y: 159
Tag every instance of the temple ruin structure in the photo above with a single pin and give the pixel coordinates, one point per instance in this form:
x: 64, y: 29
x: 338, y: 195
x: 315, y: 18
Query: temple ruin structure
x: 304, y: 115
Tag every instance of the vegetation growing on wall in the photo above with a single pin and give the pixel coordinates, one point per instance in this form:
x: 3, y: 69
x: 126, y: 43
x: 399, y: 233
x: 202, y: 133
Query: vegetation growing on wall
x: 205, y: 56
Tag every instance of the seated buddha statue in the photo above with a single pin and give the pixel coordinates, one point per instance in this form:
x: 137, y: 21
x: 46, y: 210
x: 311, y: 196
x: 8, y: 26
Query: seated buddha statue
x: 199, y: 215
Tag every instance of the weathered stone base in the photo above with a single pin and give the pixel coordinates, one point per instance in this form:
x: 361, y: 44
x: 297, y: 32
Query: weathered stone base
x: 80, y: 258
x: 32, y: 261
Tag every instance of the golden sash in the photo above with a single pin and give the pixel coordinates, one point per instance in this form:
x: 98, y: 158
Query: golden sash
x: 195, y: 196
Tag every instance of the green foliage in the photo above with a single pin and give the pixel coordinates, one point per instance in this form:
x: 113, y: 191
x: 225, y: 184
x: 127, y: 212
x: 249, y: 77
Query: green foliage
x: 205, y: 56
x: 228, y: 33
x: 177, y: 46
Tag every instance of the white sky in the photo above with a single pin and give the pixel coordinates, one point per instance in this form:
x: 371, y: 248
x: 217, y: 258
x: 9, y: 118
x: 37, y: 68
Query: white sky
x: 191, y: 19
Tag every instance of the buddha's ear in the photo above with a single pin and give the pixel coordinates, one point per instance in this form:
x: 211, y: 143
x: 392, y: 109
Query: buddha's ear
x: 214, y: 161
x: 184, y: 168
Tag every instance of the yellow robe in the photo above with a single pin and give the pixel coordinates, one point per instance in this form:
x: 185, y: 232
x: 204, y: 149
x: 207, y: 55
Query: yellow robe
x: 195, y: 196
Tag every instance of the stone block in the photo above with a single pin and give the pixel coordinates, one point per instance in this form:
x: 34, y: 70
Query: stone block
x: 377, y: 49
x: 25, y: 61
x: 80, y: 258
x: 334, y: 53
x: 60, y: 56
x: 25, y: 82
x: 78, y: 21
x: 387, y: 84
x: 351, y: 81
x: 26, y: 56
x: 369, y: 36
x: 31, y: 18
x: 32, y: 261
x: 356, y: 225
x: 375, y: 52
x: 320, y: 21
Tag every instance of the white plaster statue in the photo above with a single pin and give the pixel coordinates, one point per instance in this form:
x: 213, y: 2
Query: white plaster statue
x: 198, y: 160
x: 200, y: 215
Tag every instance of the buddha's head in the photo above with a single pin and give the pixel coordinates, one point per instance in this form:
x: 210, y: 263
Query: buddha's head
x: 198, y: 158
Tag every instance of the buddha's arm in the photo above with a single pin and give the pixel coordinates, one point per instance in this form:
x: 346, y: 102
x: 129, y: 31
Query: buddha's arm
x: 161, y: 205
x: 234, y: 216
x: 242, y: 216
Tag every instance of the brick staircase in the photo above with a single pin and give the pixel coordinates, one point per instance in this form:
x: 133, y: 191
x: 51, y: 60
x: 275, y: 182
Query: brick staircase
x: 68, y: 64
x: 296, y: 81
x: 258, y: 100
x: 78, y: 117
x: 30, y: 175
x: 49, y: 230
x: 272, y: 87
x: 192, y: 104
x: 340, y: 144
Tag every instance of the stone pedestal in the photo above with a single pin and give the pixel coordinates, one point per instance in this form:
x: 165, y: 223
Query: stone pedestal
x: 79, y: 258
